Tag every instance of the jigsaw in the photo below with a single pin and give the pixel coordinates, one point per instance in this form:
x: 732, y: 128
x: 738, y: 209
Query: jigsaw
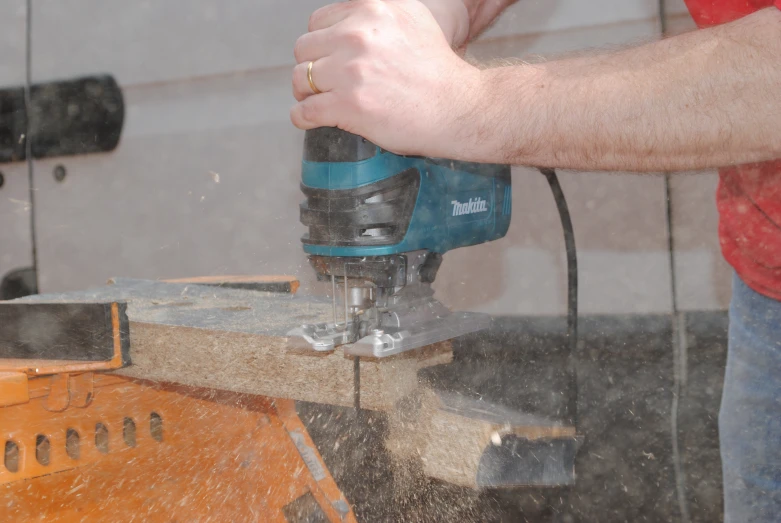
x: 378, y: 227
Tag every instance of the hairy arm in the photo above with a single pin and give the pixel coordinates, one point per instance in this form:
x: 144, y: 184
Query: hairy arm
x: 704, y: 99
x: 386, y: 71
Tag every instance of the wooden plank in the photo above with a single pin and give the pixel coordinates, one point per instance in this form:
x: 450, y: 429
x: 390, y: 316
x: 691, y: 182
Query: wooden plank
x: 256, y: 364
x: 459, y: 441
x: 279, y: 283
x: 235, y: 340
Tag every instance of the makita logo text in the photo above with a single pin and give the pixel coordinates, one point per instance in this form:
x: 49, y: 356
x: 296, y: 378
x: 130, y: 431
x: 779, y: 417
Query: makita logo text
x: 474, y: 205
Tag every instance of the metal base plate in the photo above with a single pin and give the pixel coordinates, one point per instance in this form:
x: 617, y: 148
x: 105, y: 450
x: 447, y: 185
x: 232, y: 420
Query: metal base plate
x: 392, y: 340
x: 323, y: 337
x: 409, y: 319
x: 381, y: 343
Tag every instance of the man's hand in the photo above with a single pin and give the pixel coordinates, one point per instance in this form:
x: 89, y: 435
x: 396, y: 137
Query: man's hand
x: 699, y: 100
x: 387, y: 72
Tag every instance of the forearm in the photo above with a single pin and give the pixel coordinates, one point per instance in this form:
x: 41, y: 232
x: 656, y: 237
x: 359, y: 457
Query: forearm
x: 704, y: 99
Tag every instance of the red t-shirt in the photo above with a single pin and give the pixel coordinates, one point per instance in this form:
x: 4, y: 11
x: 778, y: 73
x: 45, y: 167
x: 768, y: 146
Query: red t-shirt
x: 748, y: 196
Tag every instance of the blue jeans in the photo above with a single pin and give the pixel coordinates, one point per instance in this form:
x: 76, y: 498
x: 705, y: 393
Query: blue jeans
x: 750, y: 416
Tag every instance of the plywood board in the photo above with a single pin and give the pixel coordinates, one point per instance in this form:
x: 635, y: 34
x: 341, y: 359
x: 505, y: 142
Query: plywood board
x: 236, y: 340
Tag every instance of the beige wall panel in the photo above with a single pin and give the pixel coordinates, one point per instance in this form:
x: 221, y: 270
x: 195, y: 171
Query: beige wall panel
x: 204, y: 181
x: 12, y: 41
x: 15, y: 236
x: 546, y: 16
x: 703, y: 276
x: 155, y: 41
x: 621, y: 241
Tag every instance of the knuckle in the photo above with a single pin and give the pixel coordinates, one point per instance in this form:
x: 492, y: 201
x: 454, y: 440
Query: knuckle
x: 294, y: 116
x: 356, y: 100
x: 297, y: 118
x: 359, y: 39
x: 355, y: 71
x: 314, y: 20
x: 318, y: 16
x: 366, y: 103
x: 299, y: 83
x: 297, y: 49
x: 297, y: 93
x: 374, y: 7
x: 296, y: 78
x: 309, y: 112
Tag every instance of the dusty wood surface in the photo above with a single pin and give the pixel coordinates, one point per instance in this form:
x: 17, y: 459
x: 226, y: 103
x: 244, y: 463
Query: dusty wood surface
x: 234, y: 339
x: 279, y: 283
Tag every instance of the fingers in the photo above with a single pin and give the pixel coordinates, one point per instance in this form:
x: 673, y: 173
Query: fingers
x: 330, y: 15
x: 314, y: 45
x: 324, y: 46
x: 321, y: 77
x: 315, y: 111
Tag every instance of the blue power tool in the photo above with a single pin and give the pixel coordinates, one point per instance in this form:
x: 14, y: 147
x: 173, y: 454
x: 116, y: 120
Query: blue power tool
x: 379, y: 225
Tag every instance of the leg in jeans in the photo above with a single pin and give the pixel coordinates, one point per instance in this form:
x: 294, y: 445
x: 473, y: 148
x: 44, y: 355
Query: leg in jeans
x: 750, y: 416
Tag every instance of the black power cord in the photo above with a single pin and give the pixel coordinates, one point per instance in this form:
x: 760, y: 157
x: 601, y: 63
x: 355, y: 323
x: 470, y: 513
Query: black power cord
x: 28, y: 139
x: 572, y: 284
x: 678, y: 341
x: 678, y: 330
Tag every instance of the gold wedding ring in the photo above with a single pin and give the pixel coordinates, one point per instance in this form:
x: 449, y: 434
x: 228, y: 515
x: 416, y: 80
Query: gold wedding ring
x: 309, y: 77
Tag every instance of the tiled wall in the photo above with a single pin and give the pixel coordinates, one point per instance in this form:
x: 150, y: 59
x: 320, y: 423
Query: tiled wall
x: 207, y: 87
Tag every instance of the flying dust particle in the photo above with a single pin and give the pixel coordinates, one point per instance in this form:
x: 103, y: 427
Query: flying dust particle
x: 215, y: 176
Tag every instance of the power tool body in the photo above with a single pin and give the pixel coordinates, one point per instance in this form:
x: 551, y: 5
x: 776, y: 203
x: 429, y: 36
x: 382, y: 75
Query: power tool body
x: 378, y: 227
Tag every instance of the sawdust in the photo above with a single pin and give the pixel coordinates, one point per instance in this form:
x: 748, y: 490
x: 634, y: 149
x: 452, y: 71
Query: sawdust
x: 447, y: 445
x: 450, y: 445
